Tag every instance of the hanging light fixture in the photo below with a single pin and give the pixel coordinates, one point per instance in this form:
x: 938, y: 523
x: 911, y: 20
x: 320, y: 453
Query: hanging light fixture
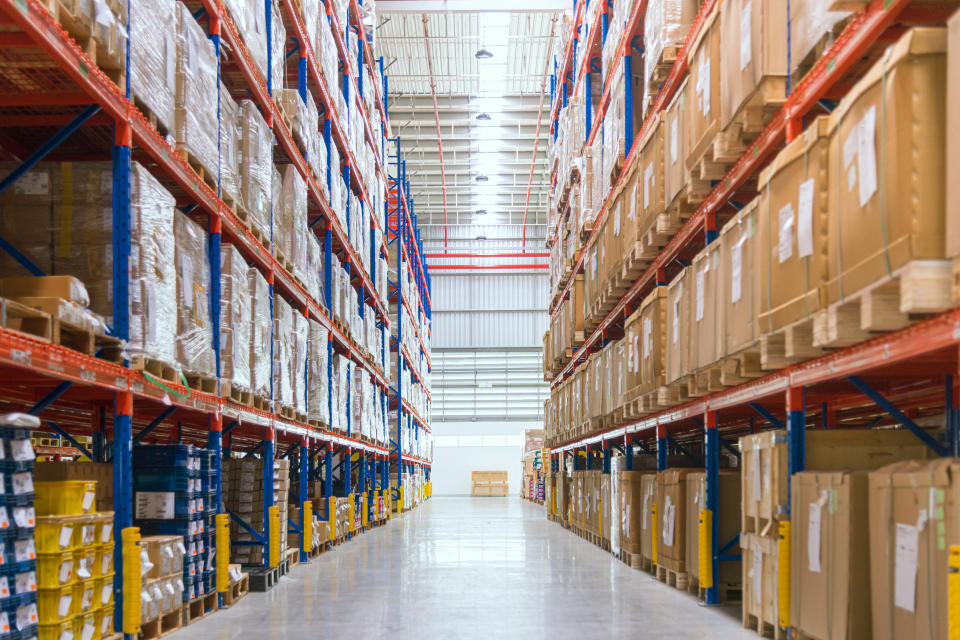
x: 483, y: 54
x: 481, y: 212
x: 483, y: 116
x: 481, y: 178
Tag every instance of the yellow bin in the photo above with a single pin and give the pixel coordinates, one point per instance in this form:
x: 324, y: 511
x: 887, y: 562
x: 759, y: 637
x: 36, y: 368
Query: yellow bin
x: 64, y: 497
x: 85, y: 627
x: 85, y: 563
x: 55, y: 570
x: 104, y: 592
x: 54, y: 605
x: 104, y: 559
x: 85, y: 594
x: 54, y: 534
x: 59, y: 630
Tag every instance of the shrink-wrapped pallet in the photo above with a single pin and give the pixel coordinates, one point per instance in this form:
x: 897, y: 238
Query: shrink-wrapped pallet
x: 260, y: 334
x: 235, y: 319
x: 195, y: 113
x: 194, y: 334
x: 665, y: 25
x: 298, y: 363
x: 290, y: 221
x: 256, y: 168
x: 813, y: 28
x: 153, y: 59
x: 229, y: 149
x: 283, y: 353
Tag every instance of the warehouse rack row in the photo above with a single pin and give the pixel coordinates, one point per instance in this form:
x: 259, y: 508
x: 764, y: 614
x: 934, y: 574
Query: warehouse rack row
x: 90, y: 391
x: 409, y: 296
x: 903, y: 375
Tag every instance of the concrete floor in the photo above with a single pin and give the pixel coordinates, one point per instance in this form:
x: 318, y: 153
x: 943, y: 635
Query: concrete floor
x: 468, y: 568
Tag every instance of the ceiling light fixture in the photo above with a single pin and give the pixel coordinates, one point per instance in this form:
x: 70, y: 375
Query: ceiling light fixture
x: 483, y: 54
x: 481, y: 237
x: 483, y: 116
x: 481, y: 212
x: 481, y: 178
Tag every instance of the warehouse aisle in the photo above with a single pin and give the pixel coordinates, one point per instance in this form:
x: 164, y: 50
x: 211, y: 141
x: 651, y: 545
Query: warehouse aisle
x: 468, y: 568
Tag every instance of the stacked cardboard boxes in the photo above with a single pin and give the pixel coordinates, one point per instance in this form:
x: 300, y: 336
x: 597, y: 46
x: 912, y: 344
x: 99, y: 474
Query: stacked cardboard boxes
x: 243, y: 482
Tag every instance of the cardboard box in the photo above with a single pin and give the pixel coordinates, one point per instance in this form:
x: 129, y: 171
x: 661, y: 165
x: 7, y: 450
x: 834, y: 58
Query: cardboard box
x: 676, y: 122
x: 672, y: 522
x: 650, y: 178
x: 812, y: 29
x: 914, y: 520
x: 793, y: 230
x: 194, y: 338
x: 760, y: 560
x: 953, y: 133
x: 830, y: 565
x: 765, y: 465
x: 165, y: 553
x: 754, y: 72
x: 706, y: 322
x: 705, y: 62
x: 887, y: 203
x: 680, y: 293
x: 729, y: 521
x: 652, y: 353
x: 739, y: 281
x: 65, y: 287
x: 631, y: 509
x: 100, y: 472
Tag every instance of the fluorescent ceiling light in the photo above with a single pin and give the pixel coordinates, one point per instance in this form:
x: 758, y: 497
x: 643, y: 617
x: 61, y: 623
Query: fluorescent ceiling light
x: 483, y: 116
x: 481, y: 212
x: 483, y: 54
x: 481, y: 178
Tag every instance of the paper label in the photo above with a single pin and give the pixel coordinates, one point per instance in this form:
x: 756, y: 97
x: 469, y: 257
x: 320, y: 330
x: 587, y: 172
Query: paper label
x: 676, y: 313
x: 24, y: 517
x: 5, y: 586
x: 669, y: 520
x: 4, y: 622
x: 647, y: 337
x: 736, y: 267
x: 674, y: 140
x: 647, y: 184
x: 805, y: 219
x: 65, y: 572
x: 746, y: 47
x: 701, y: 275
x: 64, y: 605
x: 616, y: 220
x: 706, y: 87
x: 66, y: 534
x: 813, y: 533
x: 155, y: 505
x: 88, y: 630
x: 756, y: 572
x: 850, y: 147
x: 905, y: 567
x: 646, y: 510
x: 26, y: 582
x: 22, y: 483
x: 27, y: 615
x: 785, y: 222
x: 867, y: 155
x: 33, y: 183
x: 22, y: 450
x: 88, y: 498
x: 851, y: 178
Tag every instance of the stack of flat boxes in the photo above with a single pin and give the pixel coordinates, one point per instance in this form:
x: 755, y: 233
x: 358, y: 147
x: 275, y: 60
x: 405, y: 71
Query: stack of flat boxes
x: 243, y: 495
x: 162, y: 578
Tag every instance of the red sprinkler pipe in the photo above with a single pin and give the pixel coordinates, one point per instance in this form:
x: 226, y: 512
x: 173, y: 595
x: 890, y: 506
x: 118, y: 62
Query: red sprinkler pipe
x: 536, y: 140
x: 436, y: 117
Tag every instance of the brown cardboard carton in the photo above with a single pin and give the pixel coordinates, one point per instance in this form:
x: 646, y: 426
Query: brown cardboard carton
x: 914, y: 519
x: 680, y: 292
x: 676, y: 124
x: 101, y: 472
x: 953, y: 133
x: 652, y: 353
x: 623, y: 217
x: 631, y: 509
x: 887, y: 187
x: 705, y: 64
x: 648, y: 506
x: 764, y: 454
x: 706, y: 323
x: 604, y: 509
x: 632, y: 333
x: 812, y: 29
x: 65, y: 287
x: 754, y: 72
x: 739, y: 281
x: 672, y: 519
x: 793, y: 220
x: 760, y: 574
x: 729, y: 520
x: 650, y: 172
x: 830, y: 565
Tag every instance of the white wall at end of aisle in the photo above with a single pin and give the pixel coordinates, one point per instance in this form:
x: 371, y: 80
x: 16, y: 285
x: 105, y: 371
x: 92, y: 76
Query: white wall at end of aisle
x: 462, y: 447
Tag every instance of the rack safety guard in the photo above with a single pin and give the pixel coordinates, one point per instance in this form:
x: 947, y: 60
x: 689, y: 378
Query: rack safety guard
x: 273, y: 535
x: 783, y: 573
x: 307, y: 535
x: 653, y: 534
x: 351, y: 512
x: 130, y: 549
x: 364, y: 510
x: 400, y: 501
x: 222, y: 529
x: 332, y: 517
x: 953, y: 593
x: 705, y: 548
x: 376, y: 504
x: 388, y: 496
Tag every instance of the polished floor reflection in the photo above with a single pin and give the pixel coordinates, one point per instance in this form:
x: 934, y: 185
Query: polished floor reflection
x: 468, y: 568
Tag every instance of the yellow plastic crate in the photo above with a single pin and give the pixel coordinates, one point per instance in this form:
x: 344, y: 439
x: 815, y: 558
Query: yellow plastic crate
x: 88, y: 532
x: 104, y: 559
x: 55, y: 605
x: 85, y: 563
x: 60, y: 630
x: 104, y: 618
x: 85, y: 627
x: 65, y: 497
x: 56, y: 533
x: 104, y: 521
x: 85, y: 592
x: 104, y: 596
x: 55, y: 570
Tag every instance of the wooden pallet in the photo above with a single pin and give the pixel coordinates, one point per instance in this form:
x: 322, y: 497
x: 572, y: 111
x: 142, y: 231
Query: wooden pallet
x: 88, y: 342
x: 102, y: 47
x: 675, y: 392
x: 201, y: 382
x: 792, y: 343
x: 262, y: 578
x: 155, y: 368
x: 918, y: 288
x: 661, y: 231
x: 199, y: 608
x: 759, y: 526
x: 758, y: 109
x: 632, y: 560
x: 27, y: 320
x: 803, y: 66
x: 261, y: 403
x: 236, y: 590
x: 660, y: 71
x: 162, y: 626
x: 726, y: 372
x: 726, y: 592
x: 763, y: 628
x: 236, y: 394
x: 712, y: 159
x: 677, y: 579
x: 206, y: 175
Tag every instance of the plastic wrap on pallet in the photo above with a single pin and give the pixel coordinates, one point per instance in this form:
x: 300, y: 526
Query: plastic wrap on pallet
x: 278, y: 57
x: 326, y: 52
x: 357, y: 414
x: 342, y: 400
x: 290, y: 220
x: 109, y: 27
x: 812, y: 29
x: 195, y: 102
x: 256, y: 166
x: 665, y: 26
x: 317, y: 383
x: 235, y: 319
x: 153, y: 54
x: 298, y: 365
x: 194, y: 338
x: 314, y: 269
x: 283, y: 327
x: 309, y: 13
x: 229, y: 147
x: 250, y: 19
x: 260, y: 333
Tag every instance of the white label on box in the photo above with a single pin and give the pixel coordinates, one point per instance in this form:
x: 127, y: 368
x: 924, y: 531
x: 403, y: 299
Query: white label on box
x: 756, y: 574
x: 676, y: 313
x: 785, y: 223
x: 669, y: 521
x: 706, y: 87
x: 65, y: 572
x: 905, y: 567
x: 5, y: 587
x: 647, y: 184
x: 26, y: 582
x: 22, y: 483
x: 155, y: 505
x: 867, y: 155
x: 813, y: 533
x: 851, y: 178
x: 674, y: 139
x: 736, y: 268
x: 746, y: 46
x: 88, y: 630
x: 805, y: 219
x: 33, y: 183
x: 24, y: 517
x: 66, y: 534
x: 647, y: 337
x: 88, y: 498
x: 755, y: 463
x: 27, y: 615
x: 701, y: 276
x: 4, y: 518
x: 22, y: 450
x: 64, y: 605
x: 616, y: 220
x: 4, y: 622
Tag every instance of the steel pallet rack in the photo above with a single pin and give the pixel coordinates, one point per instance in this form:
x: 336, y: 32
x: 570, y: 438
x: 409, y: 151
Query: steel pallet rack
x: 405, y: 236
x: 91, y: 118
x: 890, y: 379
